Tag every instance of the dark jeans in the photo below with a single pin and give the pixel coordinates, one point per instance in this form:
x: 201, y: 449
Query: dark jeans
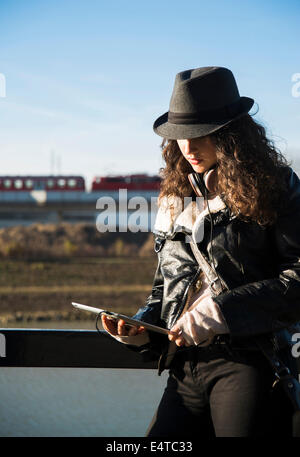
x: 214, y: 393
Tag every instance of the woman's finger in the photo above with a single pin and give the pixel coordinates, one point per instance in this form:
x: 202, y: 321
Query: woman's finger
x: 180, y: 341
x: 175, y: 329
x: 175, y: 333
x: 122, y: 328
x: 132, y: 331
x: 109, y: 325
x: 176, y: 336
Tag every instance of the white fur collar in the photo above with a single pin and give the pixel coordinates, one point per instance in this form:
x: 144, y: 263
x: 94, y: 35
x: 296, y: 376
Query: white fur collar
x: 173, y: 217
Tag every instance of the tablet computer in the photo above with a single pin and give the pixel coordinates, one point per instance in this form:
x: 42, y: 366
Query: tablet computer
x: 127, y: 319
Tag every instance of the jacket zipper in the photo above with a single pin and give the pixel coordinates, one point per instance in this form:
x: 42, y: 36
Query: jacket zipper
x: 189, y: 292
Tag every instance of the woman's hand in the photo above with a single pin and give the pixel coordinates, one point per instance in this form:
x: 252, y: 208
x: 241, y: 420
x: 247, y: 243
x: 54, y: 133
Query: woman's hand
x: 119, y: 327
x: 176, y: 336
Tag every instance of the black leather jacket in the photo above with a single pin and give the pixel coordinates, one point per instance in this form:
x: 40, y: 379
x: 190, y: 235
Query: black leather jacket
x: 260, y: 268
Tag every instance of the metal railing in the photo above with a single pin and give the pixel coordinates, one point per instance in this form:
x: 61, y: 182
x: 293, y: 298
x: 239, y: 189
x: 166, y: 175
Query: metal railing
x: 66, y: 348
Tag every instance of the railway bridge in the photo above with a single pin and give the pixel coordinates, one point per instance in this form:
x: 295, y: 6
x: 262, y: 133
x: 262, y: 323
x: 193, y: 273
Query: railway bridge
x: 76, y: 206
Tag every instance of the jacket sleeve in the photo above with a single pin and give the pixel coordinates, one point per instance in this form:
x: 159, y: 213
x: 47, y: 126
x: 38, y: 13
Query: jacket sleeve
x: 150, y: 312
x: 271, y: 304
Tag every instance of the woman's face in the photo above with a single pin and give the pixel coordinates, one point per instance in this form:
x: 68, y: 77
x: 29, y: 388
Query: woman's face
x: 199, y: 152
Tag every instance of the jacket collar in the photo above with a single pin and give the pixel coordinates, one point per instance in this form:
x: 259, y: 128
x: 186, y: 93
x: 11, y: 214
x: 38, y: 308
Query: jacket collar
x: 173, y: 217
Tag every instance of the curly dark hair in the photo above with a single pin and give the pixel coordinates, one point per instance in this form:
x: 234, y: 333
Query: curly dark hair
x: 251, y: 171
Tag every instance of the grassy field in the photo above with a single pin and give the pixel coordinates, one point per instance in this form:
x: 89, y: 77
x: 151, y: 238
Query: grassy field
x: 44, y: 290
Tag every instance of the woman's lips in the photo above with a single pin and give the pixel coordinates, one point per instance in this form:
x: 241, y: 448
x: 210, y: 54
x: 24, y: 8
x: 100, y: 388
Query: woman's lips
x: 195, y: 161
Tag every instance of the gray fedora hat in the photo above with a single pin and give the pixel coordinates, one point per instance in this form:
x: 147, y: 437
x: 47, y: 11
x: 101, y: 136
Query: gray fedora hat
x: 203, y: 101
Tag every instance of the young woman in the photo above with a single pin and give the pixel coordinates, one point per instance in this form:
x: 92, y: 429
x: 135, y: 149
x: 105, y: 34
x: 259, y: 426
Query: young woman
x: 243, y: 214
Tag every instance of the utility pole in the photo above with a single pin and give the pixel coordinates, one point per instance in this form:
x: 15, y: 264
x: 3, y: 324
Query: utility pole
x: 52, y: 162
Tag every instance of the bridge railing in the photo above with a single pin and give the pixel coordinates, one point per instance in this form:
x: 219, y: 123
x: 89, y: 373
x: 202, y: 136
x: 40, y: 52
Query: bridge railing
x: 66, y: 348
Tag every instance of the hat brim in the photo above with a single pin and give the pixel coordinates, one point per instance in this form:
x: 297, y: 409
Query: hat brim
x: 171, y: 131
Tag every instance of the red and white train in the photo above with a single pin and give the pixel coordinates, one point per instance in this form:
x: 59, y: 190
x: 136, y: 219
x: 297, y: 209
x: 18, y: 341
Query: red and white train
x: 65, y: 188
x: 129, y: 182
x: 46, y: 183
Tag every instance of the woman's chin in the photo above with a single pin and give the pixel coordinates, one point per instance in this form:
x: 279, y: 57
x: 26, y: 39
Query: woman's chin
x: 199, y: 168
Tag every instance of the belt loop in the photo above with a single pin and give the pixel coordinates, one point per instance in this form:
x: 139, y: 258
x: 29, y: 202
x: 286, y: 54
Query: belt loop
x: 224, y: 341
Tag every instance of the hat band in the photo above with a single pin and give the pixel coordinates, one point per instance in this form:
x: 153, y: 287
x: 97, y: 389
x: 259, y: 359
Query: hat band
x: 207, y: 116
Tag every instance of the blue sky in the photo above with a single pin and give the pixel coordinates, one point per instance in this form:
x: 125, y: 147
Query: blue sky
x: 86, y: 79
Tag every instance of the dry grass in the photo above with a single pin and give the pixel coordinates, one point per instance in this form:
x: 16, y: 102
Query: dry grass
x: 43, y: 268
x: 45, y: 290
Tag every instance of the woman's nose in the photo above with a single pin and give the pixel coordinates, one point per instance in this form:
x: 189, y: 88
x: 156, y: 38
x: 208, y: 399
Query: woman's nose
x: 187, y: 146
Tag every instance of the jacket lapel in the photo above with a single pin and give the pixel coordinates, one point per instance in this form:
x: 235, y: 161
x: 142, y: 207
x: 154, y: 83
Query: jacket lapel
x: 174, y: 217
